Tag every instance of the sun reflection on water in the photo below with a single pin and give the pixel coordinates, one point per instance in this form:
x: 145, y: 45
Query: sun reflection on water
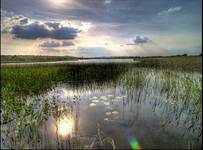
x: 65, y: 126
x: 71, y: 93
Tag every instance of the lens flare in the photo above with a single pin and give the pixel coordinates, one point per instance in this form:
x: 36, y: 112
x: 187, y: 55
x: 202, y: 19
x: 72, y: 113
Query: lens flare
x: 133, y: 142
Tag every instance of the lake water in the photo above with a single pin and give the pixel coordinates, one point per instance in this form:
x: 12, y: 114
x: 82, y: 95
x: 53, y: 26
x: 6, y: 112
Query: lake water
x: 118, y: 117
x: 115, y: 113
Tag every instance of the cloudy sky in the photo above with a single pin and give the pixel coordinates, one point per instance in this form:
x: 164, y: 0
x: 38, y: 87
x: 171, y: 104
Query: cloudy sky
x: 101, y: 27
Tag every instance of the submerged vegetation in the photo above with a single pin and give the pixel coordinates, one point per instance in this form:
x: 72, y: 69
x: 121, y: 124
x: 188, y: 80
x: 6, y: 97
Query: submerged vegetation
x: 177, y: 93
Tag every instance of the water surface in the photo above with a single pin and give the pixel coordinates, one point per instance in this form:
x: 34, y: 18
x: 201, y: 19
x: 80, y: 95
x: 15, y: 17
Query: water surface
x: 79, y: 61
x: 127, y: 115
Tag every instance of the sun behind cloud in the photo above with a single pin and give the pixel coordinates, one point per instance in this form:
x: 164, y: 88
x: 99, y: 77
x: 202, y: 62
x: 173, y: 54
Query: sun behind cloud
x: 101, y: 27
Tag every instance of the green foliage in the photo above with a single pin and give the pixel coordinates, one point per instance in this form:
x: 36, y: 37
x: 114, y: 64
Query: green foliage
x: 28, y: 80
x: 93, y: 72
x: 32, y: 58
x: 184, y: 64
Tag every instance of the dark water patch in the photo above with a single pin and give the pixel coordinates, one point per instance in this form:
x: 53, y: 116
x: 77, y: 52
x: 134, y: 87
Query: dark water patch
x: 93, y: 72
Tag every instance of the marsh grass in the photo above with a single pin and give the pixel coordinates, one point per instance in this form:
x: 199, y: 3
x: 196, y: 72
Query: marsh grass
x: 20, y: 83
x: 28, y: 80
x: 178, y: 63
x: 177, y: 92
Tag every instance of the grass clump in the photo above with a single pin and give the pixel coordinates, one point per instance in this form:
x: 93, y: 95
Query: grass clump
x: 184, y: 64
x: 28, y: 80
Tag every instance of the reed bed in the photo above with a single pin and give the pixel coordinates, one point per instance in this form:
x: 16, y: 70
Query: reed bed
x: 177, y: 93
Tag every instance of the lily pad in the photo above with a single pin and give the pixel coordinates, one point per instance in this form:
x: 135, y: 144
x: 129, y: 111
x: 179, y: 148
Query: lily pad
x: 92, y: 104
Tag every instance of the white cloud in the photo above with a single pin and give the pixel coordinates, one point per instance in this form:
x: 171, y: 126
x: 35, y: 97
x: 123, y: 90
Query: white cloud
x: 54, y: 44
x: 170, y: 10
x: 174, y: 9
x: 107, y: 2
x: 140, y: 40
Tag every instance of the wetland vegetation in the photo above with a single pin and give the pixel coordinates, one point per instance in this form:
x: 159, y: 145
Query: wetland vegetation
x: 156, y: 103
x: 33, y: 58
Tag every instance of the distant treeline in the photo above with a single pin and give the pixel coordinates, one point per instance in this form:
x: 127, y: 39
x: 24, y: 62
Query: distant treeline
x: 39, y: 58
x: 34, y: 58
x: 134, y: 57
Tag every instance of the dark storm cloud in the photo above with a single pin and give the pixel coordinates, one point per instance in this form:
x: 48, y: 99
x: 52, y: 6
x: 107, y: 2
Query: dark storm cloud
x: 54, y: 44
x: 52, y: 24
x: 23, y: 20
x: 26, y: 28
x: 18, y: 19
x: 37, y: 30
x: 9, y: 19
x: 67, y: 43
x: 57, y: 51
x: 50, y: 44
x: 51, y: 50
x: 140, y: 40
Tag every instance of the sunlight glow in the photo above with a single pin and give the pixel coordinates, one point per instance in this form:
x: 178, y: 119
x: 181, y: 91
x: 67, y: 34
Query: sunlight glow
x: 69, y: 93
x: 65, y: 126
x: 60, y: 2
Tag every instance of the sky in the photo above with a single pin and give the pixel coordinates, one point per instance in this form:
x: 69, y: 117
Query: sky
x: 88, y: 28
